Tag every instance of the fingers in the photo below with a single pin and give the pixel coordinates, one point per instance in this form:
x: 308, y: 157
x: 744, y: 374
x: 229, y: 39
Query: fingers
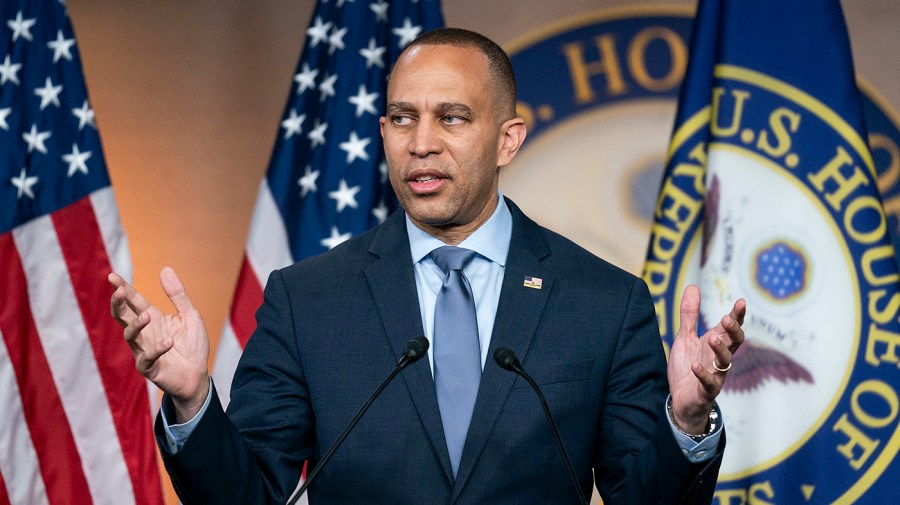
x: 739, y: 311
x: 115, y: 279
x: 130, y: 297
x: 723, y: 341
x: 130, y: 309
x: 174, y: 289
x: 690, y: 311
x: 133, y: 330
x: 119, y: 308
x: 722, y: 355
x: 146, y: 358
x: 708, y: 380
x: 146, y: 351
x: 729, y: 329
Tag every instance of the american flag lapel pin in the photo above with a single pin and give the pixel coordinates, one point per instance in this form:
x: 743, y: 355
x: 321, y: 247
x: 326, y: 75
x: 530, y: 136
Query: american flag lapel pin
x: 533, y: 282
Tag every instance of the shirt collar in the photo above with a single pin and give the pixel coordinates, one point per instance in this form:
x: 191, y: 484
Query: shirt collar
x: 490, y: 240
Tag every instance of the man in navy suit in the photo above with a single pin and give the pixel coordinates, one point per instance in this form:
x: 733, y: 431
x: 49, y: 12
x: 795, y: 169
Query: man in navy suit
x: 331, y: 328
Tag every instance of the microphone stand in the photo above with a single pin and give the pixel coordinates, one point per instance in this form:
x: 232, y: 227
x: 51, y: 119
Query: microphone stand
x: 415, y: 349
x: 508, y: 360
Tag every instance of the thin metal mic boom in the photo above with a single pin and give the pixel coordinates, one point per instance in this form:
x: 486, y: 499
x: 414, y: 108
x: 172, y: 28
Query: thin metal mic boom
x: 415, y: 350
x: 508, y: 360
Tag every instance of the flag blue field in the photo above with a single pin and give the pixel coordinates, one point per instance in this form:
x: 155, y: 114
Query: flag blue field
x: 770, y: 194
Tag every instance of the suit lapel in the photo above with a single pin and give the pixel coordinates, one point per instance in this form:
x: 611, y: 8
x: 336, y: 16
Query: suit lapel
x: 393, y: 285
x: 518, y: 313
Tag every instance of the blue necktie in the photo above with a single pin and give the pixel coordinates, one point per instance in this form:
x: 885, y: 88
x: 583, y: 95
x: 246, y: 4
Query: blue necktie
x: 457, y: 353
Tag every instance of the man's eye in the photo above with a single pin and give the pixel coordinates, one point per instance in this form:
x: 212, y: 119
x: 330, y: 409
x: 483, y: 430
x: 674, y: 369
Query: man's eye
x: 401, y: 120
x: 452, y: 120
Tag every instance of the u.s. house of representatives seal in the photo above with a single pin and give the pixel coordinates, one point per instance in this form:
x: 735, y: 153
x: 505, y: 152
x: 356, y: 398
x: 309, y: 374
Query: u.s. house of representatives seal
x: 812, y: 406
x: 599, y: 95
x: 790, y: 224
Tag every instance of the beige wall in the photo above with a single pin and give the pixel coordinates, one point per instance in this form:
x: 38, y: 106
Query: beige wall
x: 188, y: 97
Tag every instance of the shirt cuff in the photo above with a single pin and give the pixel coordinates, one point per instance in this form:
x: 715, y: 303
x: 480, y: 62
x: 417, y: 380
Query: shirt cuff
x: 703, y: 449
x: 177, y: 434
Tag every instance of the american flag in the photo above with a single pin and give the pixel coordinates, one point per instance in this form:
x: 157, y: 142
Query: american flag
x: 327, y: 179
x: 76, y: 420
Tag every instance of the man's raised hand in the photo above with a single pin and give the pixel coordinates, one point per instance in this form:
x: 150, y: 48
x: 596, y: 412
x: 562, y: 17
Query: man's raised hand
x: 698, y: 366
x: 171, y: 350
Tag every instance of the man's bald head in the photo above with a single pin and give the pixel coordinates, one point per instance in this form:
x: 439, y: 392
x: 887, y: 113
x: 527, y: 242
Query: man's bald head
x: 502, y: 78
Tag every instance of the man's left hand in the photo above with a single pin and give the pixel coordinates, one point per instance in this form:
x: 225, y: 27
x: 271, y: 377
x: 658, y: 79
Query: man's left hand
x: 698, y: 366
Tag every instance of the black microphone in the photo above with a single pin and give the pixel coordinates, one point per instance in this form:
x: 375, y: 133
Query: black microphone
x: 415, y: 350
x: 508, y: 360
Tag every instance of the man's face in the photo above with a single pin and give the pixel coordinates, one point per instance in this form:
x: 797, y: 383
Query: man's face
x: 444, y: 141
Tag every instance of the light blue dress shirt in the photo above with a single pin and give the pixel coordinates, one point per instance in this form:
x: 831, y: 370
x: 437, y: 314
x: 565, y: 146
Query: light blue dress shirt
x: 485, y: 274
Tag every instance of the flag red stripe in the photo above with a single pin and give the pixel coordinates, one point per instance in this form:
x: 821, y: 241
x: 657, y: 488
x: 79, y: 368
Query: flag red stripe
x: 4, y: 497
x: 248, y: 296
x: 58, y: 457
x: 88, y: 265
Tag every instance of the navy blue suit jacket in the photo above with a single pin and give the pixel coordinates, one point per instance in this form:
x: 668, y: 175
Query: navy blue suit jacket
x: 332, y: 327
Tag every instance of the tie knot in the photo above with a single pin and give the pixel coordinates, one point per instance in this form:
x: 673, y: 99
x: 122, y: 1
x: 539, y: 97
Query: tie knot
x: 450, y: 258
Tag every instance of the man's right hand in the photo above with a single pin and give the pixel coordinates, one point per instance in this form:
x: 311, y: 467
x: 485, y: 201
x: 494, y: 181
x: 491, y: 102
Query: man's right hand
x: 171, y: 350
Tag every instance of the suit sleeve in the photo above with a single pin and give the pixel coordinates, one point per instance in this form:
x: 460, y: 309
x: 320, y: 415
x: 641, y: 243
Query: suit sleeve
x: 256, y: 452
x: 638, y: 459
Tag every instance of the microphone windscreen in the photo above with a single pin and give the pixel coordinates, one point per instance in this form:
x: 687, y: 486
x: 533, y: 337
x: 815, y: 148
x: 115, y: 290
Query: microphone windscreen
x: 506, y: 358
x: 416, y: 348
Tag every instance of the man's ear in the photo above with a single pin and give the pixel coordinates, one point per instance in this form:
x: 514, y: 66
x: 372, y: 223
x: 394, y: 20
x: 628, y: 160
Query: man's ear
x: 512, y: 135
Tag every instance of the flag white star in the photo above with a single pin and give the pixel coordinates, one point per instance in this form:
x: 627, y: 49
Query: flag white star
x: 383, y: 169
x: 21, y: 27
x: 336, y: 39
x: 49, y: 93
x: 355, y: 148
x: 326, y: 88
x: 24, y: 184
x: 345, y: 195
x: 317, y: 135
x: 293, y: 125
x: 340, y: 3
x: 4, y: 113
x: 306, y: 79
x: 407, y: 32
x: 85, y: 115
x: 380, y: 9
x: 318, y: 32
x: 308, y: 181
x: 380, y: 212
x: 364, y: 102
x: 9, y: 71
x: 373, y: 54
x: 77, y: 160
x: 335, y: 239
x: 36, y: 139
x: 62, y: 47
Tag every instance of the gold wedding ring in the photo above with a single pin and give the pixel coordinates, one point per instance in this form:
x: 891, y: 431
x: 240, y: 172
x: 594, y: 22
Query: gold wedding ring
x: 727, y: 368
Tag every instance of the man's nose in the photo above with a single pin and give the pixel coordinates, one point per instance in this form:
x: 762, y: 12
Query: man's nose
x: 425, y: 140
